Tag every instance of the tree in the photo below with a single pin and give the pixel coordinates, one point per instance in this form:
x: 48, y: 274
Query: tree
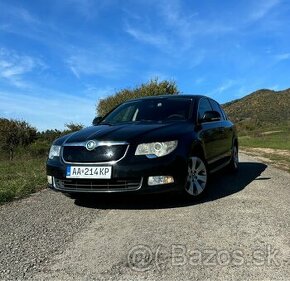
x: 73, y: 127
x: 14, y: 133
x: 49, y: 135
x: 152, y: 88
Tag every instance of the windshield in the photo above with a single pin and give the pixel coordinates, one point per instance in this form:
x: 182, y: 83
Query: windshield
x: 154, y: 110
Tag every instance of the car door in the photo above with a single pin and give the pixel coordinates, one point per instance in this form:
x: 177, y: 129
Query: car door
x: 226, y: 132
x: 208, y: 132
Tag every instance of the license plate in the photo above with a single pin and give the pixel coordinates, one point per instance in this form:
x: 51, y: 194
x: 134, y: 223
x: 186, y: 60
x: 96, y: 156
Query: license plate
x: 81, y: 172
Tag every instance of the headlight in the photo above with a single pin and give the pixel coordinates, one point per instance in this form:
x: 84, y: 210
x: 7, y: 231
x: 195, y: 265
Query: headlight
x: 156, y: 149
x: 54, y: 151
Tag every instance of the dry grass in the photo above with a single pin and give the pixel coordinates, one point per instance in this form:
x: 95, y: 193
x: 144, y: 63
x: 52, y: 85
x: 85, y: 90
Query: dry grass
x: 276, y: 157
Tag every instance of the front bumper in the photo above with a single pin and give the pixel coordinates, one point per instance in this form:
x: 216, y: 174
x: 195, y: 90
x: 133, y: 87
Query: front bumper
x: 128, y: 175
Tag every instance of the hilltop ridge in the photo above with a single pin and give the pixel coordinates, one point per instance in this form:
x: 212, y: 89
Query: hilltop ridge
x: 262, y: 107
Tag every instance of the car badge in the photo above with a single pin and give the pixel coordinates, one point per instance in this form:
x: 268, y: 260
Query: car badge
x: 91, y: 145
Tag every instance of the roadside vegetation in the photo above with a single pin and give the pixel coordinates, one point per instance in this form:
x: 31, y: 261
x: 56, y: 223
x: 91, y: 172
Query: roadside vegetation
x: 276, y: 139
x: 21, y: 177
x: 23, y: 155
x: 270, y: 145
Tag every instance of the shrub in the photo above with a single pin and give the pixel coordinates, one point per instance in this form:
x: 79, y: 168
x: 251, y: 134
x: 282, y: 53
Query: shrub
x: 152, y: 88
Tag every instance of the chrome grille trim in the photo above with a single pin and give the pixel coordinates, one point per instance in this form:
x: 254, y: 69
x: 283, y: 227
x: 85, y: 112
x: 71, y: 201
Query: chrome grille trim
x: 99, y: 143
x: 94, y: 187
x: 95, y: 163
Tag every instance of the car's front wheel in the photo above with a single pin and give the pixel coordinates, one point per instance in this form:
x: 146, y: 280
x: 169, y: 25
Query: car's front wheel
x: 197, y: 177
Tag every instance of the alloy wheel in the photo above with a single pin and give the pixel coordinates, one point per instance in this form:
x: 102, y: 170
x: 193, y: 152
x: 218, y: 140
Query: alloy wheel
x: 196, y: 177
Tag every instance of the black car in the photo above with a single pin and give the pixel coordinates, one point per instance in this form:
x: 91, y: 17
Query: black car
x: 152, y: 144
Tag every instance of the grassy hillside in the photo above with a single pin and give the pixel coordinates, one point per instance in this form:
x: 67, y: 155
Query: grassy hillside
x: 260, y: 111
x: 263, y: 122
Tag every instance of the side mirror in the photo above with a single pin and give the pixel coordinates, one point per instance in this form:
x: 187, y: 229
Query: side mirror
x: 211, y: 116
x: 97, y: 120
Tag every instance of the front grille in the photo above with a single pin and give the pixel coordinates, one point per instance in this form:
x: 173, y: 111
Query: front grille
x: 79, y: 154
x: 95, y: 185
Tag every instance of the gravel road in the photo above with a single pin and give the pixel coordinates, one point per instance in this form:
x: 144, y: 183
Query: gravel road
x: 239, y: 232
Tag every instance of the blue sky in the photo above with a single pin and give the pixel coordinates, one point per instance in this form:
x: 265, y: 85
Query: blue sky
x: 58, y: 58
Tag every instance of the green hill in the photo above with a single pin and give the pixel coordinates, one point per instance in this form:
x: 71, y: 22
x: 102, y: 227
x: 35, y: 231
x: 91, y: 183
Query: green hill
x: 262, y: 119
x: 260, y: 111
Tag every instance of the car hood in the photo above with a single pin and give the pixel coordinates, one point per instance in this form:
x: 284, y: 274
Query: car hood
x: 131, y: 133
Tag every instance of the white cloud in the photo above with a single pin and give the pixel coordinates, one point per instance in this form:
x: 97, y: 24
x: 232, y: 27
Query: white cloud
x: 92, y: 63
x: 88, y: 9
x: 186, y: 24
x: 157, y: 40
x: 16, y: 20
x: 223, y: 87
x: 282, y: 57
x: 172, y: 27
x: 262, y: 8
x: 199, y: 80
x: 14, y: 66
x: 18, y: 14
x: 98, y: 93
x: 274, y: 87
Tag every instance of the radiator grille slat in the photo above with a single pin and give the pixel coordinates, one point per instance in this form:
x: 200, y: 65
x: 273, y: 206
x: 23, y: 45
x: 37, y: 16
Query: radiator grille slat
x: 104, y: 153
x: 98, y: 185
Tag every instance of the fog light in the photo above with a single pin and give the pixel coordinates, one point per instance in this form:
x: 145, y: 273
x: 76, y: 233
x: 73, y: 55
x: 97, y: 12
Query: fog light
x: 160, y: 180
x: 49, y: 180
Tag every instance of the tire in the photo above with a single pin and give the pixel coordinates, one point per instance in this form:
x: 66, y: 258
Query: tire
x: 197, y: 177
x: 234, y: 163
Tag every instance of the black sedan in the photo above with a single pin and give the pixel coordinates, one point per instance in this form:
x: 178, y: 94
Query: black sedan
x: 152, y: 144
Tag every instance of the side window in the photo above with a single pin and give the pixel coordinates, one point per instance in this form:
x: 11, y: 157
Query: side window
x: 203, y: 106
x: 216, y: 107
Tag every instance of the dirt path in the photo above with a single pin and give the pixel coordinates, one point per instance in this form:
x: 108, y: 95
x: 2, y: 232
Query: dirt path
x: 239, y: 232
